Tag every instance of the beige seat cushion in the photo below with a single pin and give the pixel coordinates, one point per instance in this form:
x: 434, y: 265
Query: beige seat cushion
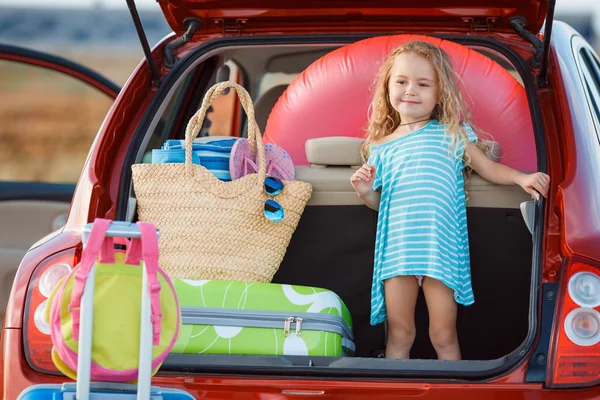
x: 334, y: 160
x: 342, y: 150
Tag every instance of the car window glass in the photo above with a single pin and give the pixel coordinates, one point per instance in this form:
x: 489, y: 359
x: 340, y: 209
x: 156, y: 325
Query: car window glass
x: 179, y: 110
x: 170, y: 119
x: 223, y: 117
x: 591, y: 73
x: 595, y: 62
x: 592, y: 66
x: 49, y: 121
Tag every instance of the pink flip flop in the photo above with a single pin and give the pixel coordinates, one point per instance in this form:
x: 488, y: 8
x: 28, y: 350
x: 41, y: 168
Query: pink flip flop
x: 241, y: 161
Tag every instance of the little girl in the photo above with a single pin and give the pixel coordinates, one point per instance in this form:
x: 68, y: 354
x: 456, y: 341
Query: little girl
x: 417, y: 148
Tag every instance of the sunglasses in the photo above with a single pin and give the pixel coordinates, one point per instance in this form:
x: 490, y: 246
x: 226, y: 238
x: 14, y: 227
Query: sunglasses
x: 273, y: 210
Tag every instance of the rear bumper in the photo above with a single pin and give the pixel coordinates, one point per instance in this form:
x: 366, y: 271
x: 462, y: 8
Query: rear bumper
x: 17, y: 376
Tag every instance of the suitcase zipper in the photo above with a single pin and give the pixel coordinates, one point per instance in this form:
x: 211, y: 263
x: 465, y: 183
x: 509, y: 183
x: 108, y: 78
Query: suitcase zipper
x: 287, y: 325
x: 266, y: 319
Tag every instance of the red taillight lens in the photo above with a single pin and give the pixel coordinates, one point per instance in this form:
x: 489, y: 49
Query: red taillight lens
x: 575, y: 347
x: 36, y: 332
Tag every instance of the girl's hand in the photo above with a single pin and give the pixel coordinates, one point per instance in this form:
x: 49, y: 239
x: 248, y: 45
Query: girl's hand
x: 362, y: 180
x: 535, y: 183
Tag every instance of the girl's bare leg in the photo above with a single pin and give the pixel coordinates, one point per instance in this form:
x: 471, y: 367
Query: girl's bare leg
x: 442, y: 319
x: 400, y: 300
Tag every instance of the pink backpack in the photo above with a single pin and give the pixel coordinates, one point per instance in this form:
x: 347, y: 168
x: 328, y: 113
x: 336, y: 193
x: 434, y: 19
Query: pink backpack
x: 119, y: 298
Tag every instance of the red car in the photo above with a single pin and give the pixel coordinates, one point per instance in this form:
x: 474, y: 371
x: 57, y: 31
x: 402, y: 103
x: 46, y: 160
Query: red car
x: 534, y: 331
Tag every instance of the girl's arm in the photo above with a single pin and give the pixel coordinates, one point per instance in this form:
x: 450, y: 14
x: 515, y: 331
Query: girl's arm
x: 494, y: 172
x: 362, y: 181
x: 371, y: 199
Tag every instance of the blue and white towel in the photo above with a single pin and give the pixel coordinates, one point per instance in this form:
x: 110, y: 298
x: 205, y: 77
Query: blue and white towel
x: 213, y: 155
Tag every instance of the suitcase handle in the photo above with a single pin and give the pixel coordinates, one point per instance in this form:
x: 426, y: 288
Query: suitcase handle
x: 123, y: 229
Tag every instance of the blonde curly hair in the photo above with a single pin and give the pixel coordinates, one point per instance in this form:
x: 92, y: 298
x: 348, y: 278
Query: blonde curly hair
x: 450, y: 109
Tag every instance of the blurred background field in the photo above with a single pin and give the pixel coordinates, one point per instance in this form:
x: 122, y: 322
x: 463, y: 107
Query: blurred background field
x: 48, y: 121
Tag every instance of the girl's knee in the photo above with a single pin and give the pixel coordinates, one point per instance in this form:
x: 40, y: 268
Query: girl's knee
x: 443, y: 336
x: 402, y: 335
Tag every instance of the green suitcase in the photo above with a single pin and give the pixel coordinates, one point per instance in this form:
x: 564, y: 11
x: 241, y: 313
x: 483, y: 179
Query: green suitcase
x: 232, y: 317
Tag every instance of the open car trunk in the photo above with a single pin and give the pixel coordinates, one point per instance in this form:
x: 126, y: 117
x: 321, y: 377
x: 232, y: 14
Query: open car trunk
x: 333, y: 248
x: 341, y: 243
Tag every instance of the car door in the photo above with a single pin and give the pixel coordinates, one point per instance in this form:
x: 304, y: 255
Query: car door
x: 50, y: 110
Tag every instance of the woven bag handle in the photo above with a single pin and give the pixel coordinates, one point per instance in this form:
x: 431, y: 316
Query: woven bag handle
x: 254, y: 136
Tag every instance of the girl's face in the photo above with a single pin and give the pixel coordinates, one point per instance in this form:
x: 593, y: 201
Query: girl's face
x: 413, y: 87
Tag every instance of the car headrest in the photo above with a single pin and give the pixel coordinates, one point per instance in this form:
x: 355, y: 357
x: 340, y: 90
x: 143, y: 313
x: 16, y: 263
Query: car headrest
x: 332, y: 97
x: 265, y: 103
x: 345, y: 151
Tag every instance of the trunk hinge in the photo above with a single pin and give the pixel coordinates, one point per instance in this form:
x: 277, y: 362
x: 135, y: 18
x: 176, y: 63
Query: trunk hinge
x: 147, y: 52
x: 480, y: 25
x: 191, y: 26
x: 231, y: 28
x: 519, y: 23
x: 542, y: 49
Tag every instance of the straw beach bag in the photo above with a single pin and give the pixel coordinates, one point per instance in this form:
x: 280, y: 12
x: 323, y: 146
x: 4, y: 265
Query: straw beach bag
x: 210, y: 229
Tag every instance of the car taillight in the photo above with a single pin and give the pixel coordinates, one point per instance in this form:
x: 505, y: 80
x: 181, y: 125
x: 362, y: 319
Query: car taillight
x: 575, y: 346
x: 36, y: 331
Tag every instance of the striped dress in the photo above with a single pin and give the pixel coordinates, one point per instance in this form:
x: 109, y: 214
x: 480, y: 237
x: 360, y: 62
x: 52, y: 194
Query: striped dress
x: 422, y: 222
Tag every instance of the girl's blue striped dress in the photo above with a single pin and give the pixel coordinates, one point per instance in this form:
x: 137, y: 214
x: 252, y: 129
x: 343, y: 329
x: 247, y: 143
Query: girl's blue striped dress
x: 422, y: 222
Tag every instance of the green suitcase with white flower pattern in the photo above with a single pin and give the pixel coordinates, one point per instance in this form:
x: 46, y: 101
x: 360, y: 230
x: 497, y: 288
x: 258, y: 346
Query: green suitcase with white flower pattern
x: 232, y: 317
